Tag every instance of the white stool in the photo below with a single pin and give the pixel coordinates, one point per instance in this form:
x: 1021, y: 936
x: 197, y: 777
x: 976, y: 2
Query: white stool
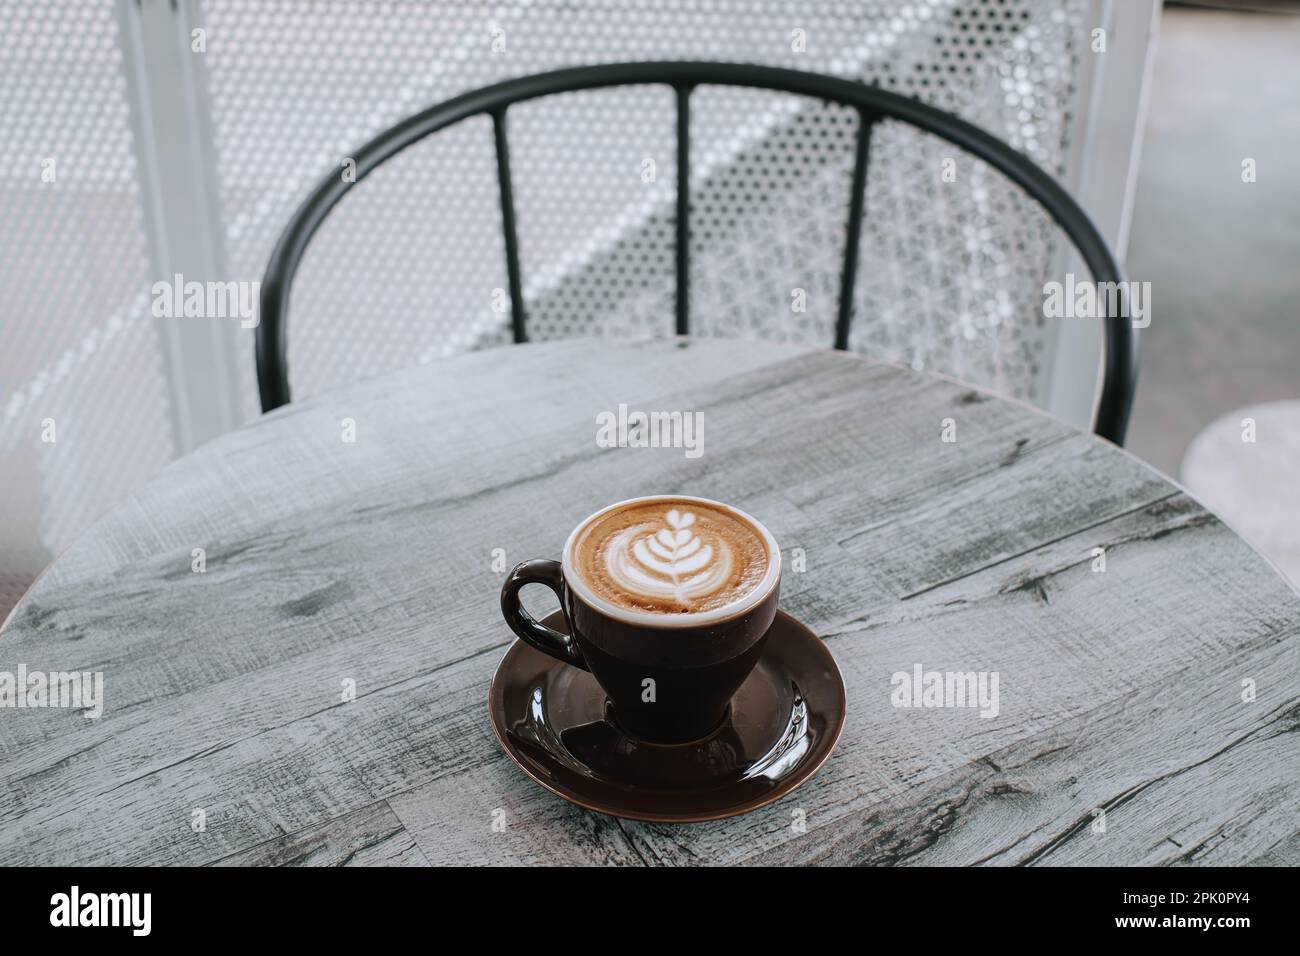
x: 1253, y: 486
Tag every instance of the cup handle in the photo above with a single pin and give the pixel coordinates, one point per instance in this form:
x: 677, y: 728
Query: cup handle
x: 545, y: 639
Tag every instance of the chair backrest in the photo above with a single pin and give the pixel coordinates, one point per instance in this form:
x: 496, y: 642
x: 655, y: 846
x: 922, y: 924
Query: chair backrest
x: 872, y: 106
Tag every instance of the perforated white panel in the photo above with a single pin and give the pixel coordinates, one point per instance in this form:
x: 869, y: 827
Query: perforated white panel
x: 769, y: 205
x: 404, y: 268
x: 956, y: 282
x: 79, y: 357
x: 949, y: 278
x: 595, y: 176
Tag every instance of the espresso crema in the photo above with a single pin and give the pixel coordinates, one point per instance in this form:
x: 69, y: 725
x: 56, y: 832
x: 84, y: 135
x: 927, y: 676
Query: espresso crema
x: 670, y: 556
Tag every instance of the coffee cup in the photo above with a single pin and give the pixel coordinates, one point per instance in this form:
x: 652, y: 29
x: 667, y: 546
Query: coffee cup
x: 668, y: 601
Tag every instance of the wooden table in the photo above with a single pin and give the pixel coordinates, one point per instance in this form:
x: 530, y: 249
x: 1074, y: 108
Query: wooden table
x: 375, y: 562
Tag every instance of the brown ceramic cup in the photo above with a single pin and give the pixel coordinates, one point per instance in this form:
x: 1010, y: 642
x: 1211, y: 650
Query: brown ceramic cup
x: 668, y: 678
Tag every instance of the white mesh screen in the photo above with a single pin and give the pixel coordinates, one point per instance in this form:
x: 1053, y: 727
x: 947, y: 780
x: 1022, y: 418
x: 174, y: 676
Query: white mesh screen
x: 769, y: 205
x: 410, y: 266
x: 79, y: 355
x: 595, y: 206
x: 404, y: 267
x: 950, y: 280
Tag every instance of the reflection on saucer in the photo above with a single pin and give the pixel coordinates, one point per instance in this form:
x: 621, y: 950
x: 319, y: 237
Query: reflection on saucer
x: 554, y: 721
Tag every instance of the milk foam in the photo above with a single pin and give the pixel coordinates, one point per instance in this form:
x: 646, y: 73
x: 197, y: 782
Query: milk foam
x: 671, y: 557
x: 669, y: 562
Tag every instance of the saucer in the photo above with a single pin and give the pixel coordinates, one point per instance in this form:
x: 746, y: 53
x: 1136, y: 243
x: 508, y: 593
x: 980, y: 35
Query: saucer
x: 783, y: 723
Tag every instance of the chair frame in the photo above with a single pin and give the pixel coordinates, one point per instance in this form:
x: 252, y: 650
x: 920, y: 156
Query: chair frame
x: 872, y: 104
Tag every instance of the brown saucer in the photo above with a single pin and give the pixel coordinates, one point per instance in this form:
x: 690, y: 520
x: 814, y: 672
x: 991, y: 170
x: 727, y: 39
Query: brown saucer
x: 784, y: 722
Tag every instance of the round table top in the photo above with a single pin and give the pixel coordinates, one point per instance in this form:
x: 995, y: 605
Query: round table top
x: 297, y: 631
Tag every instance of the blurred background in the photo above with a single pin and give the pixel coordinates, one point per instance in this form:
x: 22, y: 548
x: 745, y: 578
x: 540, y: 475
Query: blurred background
x: 141, y: 139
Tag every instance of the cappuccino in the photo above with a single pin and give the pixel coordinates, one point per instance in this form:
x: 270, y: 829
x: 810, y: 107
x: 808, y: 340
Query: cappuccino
x: 670, y: 556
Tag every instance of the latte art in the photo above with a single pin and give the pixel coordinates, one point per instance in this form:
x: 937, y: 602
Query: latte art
x: 670, y: 563
x: 671, y: 556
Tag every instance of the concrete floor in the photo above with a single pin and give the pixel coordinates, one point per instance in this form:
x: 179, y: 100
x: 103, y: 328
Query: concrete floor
x: 1223, y: 256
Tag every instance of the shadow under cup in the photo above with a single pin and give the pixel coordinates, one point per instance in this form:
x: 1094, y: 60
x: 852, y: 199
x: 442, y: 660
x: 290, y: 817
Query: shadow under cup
x: 668, y: 679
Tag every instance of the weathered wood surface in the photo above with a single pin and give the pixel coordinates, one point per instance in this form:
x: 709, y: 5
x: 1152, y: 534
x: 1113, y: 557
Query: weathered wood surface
x: 372, y: 562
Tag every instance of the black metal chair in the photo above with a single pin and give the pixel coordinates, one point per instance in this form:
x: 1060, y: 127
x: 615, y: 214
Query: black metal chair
x: 873, y: 105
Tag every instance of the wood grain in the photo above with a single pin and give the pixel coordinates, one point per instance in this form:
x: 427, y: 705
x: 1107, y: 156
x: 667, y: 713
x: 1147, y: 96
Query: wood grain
x: 373, y: 836
x: 369, y: 566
